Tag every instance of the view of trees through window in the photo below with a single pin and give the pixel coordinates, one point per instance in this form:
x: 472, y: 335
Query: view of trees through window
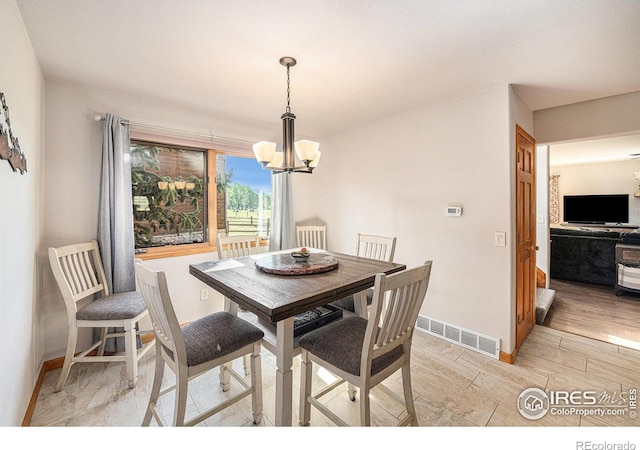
x: 244, y: 196
x: 171, y: 196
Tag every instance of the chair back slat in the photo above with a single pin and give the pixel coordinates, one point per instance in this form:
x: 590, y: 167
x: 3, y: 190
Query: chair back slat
x: 88, y: 270
x: 78, y: 272
x: 313, y: 236
x: 237, y: 246
x: 380, y: 248
x: 397, y: 299
x: 154, y: 290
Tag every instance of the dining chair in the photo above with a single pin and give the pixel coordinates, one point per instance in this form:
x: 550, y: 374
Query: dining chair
x: 314, y: 236
x: 196, y: 348
x: 79, y: 273
x: 381, y: 248
x: 367, y: 352
x: 235, y: 246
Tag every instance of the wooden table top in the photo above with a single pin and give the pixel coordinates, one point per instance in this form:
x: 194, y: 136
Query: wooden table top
x: 277, y: 297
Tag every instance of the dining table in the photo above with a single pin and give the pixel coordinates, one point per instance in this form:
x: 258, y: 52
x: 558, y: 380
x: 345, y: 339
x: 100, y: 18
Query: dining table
x: 269, y: 289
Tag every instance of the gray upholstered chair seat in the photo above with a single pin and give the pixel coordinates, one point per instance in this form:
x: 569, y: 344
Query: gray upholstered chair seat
x: 125, y: 305
x: 217, y: 335
x: 340, y: 344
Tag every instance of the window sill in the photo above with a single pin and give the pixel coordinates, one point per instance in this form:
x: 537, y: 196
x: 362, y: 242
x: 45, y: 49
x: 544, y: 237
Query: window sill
x: 171, y: 251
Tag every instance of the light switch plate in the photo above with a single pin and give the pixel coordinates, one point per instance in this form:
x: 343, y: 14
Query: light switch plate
x: 500, y: 239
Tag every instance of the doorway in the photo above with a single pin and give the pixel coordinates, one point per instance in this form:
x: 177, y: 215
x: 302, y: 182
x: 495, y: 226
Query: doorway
x: 597, y: 166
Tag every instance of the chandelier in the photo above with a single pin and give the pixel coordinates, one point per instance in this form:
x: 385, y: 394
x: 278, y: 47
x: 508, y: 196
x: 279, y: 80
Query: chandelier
x: 285, y: 160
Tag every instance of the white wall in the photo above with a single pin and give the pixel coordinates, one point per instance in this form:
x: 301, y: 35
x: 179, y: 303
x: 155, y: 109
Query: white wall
x: 20, y: 221
x: 72, y: 188
x: 610, y: 116
x: 396, y: 176
x: 601, y: 178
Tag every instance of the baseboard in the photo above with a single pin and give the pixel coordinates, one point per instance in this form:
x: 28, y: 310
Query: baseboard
x: 509, y: 358
x: 26, y: 421
x: 54, y: 364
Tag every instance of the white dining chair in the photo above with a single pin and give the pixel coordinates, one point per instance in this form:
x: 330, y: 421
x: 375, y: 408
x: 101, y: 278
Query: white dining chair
x: 235, y: 246
x: 366, y: 352
x: 79, y: 273
x: 380, y: 248
x: 196, y: 348
x: 313, y: 236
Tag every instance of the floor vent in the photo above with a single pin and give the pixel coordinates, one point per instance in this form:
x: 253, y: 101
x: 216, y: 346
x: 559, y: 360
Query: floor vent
x: 486, y: 345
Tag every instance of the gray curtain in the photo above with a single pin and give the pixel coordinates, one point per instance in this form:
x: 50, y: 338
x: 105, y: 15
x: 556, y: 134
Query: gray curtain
x: 283, y: 229
x: 115, y: 217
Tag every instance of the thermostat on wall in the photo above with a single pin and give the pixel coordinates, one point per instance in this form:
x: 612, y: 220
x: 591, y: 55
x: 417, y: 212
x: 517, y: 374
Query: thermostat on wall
x: 454, y: 211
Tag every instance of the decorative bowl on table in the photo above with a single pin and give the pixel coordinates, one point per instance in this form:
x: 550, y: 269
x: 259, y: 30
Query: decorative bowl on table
x: 301, y: 256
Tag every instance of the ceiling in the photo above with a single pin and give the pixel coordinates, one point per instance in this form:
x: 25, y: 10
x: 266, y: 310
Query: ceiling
x: 621, y: 148
x: 358, y: 60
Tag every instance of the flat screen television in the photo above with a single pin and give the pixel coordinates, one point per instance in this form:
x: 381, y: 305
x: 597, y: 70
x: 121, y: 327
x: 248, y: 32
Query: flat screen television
x: 596, y: 209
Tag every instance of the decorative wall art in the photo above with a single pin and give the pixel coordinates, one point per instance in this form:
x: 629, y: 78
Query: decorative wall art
x: 9, y: 146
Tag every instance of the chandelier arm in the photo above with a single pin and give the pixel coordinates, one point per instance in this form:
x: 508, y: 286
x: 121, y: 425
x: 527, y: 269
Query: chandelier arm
x: 300, y: 169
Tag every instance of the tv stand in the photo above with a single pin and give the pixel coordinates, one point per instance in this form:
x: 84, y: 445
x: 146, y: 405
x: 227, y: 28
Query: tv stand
x: 627, y: 269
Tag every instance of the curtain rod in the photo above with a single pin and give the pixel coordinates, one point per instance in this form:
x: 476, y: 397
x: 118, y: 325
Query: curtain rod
x: 99, y: 118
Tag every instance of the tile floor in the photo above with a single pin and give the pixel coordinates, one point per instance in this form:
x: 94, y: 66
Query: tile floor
x: 452, y: 386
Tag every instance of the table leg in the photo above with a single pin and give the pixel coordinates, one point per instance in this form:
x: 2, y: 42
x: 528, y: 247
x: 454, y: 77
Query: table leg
x: 225, y: 377
x: 360, y: 304
x: 230, y: 307
x: 284, y: 373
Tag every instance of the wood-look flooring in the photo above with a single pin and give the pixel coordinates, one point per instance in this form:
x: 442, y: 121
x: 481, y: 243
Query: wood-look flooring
x: 452, y: 387
x: 594, y: 311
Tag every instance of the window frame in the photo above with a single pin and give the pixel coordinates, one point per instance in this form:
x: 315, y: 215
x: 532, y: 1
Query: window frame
x: 168, y: 251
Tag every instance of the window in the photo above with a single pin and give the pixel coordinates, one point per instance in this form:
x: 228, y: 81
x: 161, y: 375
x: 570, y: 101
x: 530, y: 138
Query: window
x: 184, y: 196
x: 169, y: 195
x: 244, y: 196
